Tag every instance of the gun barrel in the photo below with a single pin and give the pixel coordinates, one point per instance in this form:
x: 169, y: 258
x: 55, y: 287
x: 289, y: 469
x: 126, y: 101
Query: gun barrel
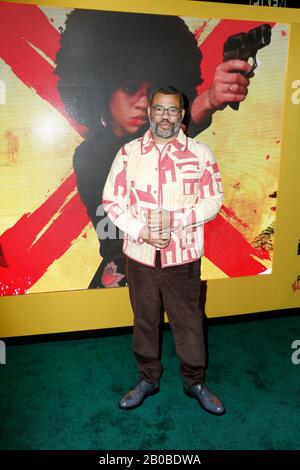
x: 244, y: 45
x: 259, y: 37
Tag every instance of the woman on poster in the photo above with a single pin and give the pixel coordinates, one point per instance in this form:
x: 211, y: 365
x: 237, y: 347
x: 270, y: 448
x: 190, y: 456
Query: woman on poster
x: 107, y: 64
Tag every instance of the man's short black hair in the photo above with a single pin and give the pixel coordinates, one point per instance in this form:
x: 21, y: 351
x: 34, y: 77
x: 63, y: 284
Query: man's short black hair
x: 167, y: 90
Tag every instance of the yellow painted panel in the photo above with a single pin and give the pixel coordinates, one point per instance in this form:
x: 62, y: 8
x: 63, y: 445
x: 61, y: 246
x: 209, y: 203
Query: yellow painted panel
x: 104, y: 308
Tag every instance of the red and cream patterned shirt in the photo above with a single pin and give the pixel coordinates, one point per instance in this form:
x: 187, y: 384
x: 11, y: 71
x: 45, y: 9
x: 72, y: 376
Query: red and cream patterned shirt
x: 182, y: 178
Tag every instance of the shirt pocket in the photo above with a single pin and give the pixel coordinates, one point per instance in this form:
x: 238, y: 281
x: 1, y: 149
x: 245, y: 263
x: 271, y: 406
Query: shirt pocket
x: 189, y: 176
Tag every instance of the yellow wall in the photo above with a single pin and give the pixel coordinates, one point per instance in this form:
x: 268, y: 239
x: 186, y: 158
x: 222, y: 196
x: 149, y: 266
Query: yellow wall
x: 105, y: 308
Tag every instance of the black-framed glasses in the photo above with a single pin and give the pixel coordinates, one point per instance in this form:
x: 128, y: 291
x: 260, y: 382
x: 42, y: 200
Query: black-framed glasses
x: 160, y: 110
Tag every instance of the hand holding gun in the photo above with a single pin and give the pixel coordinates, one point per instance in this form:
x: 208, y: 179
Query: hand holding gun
x: 242, y: 46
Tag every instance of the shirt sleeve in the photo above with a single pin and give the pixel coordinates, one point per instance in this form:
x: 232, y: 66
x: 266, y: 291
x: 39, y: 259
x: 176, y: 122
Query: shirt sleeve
x: 114, y: 199
x: 209, y: 199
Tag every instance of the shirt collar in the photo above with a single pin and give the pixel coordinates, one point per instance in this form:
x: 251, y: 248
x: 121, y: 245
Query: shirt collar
x: 179, y: 143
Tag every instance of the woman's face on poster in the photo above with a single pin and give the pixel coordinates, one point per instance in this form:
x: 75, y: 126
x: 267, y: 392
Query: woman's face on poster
x: 128, y: 107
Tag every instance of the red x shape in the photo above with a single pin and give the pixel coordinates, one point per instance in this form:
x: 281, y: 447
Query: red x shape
x: 25, y: 255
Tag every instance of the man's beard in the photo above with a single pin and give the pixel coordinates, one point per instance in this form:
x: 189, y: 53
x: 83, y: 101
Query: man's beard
x: 165, y: 133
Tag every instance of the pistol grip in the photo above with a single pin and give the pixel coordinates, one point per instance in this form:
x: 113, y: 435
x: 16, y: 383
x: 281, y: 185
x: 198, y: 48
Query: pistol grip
x: 235, y: 105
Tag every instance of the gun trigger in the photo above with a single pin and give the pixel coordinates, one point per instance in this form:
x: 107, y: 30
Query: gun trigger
x: 254, y: 66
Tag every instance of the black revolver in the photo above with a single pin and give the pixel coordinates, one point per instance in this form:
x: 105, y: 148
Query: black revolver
x: 242, y: 46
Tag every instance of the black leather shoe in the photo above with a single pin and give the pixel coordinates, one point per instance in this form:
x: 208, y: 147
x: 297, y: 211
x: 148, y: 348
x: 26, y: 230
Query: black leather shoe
x: 205, y: 397
x: 137, y: 395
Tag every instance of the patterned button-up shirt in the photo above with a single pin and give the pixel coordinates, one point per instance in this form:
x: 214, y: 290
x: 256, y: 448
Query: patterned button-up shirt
x: 182, y: 178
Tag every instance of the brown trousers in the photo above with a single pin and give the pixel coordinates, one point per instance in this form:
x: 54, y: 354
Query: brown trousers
x: 177, y: 290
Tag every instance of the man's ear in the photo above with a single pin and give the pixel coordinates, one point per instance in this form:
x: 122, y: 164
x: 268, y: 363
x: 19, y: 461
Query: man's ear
x: 148, y: 111
x: 182, y: 113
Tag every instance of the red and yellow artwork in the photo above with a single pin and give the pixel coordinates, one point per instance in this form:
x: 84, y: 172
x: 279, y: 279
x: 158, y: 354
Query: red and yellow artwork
x: 50, y: 197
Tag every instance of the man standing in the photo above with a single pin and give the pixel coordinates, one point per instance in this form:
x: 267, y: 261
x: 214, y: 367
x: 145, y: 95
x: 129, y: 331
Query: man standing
x: 160, y: 191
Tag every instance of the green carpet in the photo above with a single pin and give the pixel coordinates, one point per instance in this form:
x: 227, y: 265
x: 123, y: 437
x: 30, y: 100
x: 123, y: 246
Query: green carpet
x: 64, y: 394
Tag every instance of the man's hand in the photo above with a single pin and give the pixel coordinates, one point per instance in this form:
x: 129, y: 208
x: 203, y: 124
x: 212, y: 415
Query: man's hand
x: 154, y: 238
x: 157, y: 232
x: 159, y: 220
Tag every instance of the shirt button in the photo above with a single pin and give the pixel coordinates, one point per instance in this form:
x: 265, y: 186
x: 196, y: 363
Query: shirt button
x: 155, y: 192
x: 156, y: 169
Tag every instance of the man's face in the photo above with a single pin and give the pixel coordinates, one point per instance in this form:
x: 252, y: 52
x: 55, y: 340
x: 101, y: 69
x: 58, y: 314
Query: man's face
x: 165, y: 125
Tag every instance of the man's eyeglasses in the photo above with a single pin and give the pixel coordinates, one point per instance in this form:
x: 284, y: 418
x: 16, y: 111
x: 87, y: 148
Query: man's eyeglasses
x: 160, y: 110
